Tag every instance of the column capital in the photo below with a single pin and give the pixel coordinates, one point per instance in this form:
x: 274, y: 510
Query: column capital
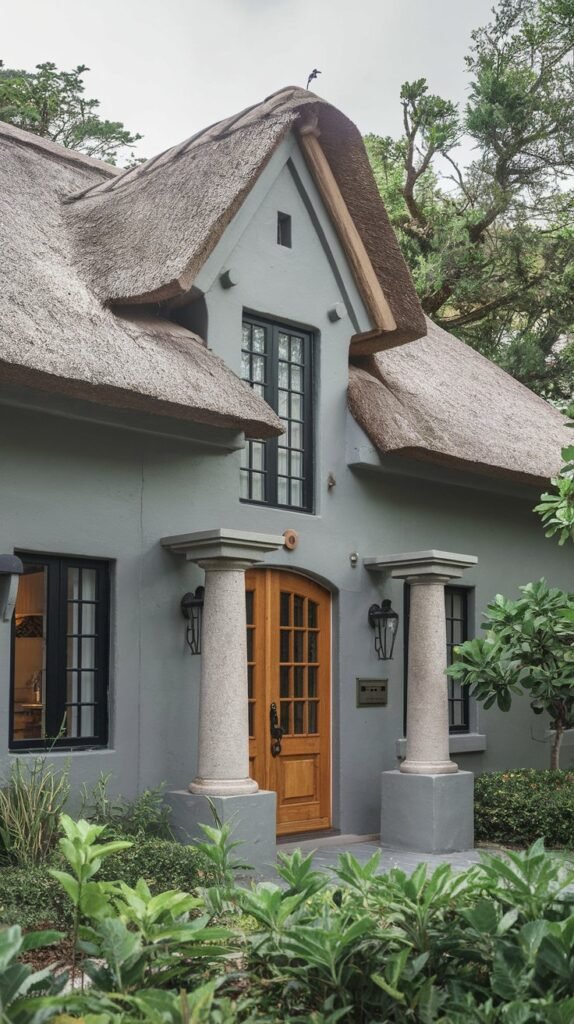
x: 217, y: 548
x: 431, y: 566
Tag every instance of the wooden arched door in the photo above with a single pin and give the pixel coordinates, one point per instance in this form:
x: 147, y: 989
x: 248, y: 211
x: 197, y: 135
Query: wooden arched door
x: 289, y: 656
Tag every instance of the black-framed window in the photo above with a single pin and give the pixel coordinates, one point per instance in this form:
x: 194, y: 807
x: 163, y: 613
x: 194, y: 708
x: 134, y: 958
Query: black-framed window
x: 456, y: 608
x: 277, y: 362
x: 60, y: 653
x: 456, y: 612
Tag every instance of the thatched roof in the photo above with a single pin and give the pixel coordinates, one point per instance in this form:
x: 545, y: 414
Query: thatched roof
x: 144, y: 235
x: 439, y: 400
x: 56, y: 334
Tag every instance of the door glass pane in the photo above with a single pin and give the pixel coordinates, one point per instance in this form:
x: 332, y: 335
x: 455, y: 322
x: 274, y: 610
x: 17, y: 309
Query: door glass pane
x: 311, y: 614
x: 284, y: 645
x: 312, y: 682
x: 284, y: 717
x: 298, y: 654
x: 251, y: 718
x: 299, y: 681
x: 250, y: 671
x: 30, y: 618
x: 298, y: 605
x: 312, y: 647
x: 312, y: 709
x: 299, y: 717
x: 285, y: 606
x: 249, y: 607
x: 284, y: 677
x: 250, y: 645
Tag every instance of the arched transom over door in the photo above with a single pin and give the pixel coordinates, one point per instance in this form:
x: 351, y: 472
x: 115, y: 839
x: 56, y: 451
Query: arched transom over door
x: 289, y: 656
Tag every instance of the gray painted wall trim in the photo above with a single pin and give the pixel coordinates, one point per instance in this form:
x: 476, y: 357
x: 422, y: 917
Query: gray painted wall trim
x: 204, y: 435
x: 309, y: 206
x: 459, y: 743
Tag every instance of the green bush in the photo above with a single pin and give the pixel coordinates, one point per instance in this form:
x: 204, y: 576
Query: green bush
x: 518, y: 807
x: 31, y: 898
x: 162, y: 863
x: 31, y: 802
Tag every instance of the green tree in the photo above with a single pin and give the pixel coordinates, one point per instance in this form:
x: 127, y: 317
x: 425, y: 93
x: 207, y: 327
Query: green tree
x: 556, y: 508
x: 52, y: 103
x: 528, y: 649
x: 491, y: 244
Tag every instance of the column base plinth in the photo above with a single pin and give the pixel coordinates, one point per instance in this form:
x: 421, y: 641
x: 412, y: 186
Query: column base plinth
x: 223, y: 787
x: 252, y: 817
x: 412, y: 767
x: 431, y: 813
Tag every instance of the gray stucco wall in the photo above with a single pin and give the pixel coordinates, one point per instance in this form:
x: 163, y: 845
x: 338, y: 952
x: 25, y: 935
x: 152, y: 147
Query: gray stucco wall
x: 79, y: 488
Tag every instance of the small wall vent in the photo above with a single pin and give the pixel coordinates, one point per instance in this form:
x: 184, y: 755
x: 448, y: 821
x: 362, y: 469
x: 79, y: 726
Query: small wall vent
x: 284, y: 230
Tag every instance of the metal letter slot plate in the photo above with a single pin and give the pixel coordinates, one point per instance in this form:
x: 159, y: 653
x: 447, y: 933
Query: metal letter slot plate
x: 372, y: 693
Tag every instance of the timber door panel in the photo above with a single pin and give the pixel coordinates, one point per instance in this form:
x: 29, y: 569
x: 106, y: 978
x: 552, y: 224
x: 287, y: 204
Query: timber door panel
x: 289, y: 656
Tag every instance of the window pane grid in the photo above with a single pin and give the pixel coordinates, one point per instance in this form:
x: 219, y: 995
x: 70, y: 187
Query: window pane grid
x: 68, y: 708
x: 299, y: 639
x: 456, y: 600
x: 279, y: 471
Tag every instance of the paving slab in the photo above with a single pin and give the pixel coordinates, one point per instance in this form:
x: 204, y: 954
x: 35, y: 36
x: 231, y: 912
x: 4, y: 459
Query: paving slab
x: 326, y: 854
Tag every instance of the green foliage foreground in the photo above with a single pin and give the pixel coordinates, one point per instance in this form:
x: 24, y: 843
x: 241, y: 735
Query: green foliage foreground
x: 492, y: 944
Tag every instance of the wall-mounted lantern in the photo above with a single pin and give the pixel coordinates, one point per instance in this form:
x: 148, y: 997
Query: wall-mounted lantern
x: 192, y: 609
x: 11, y: 569
x: 385, y: 622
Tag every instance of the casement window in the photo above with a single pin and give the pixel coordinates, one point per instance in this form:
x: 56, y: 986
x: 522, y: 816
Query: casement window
x: 456, y: 611
x: 277, y: 362
x: 60, y: 654
x: 456, y: 600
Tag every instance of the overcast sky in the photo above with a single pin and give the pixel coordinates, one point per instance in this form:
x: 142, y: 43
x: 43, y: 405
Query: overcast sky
x: 169, y: 67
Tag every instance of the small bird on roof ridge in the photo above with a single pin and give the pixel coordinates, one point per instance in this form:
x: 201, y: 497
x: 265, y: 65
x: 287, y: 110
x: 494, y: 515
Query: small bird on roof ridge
x: 314, y: 74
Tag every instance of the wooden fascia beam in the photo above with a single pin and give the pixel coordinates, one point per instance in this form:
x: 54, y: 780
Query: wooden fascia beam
x: 382, y: 319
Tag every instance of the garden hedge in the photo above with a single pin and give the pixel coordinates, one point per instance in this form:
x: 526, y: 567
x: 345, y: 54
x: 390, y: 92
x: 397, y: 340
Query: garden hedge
x: 518, y: 807
x: 31, y: 898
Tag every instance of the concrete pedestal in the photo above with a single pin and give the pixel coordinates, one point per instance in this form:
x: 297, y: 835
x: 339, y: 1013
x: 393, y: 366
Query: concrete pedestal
x: 252, y: 817
x: 427, y: 813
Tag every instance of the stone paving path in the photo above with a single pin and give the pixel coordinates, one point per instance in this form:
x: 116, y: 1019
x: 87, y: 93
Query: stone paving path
x: 362, y: 847
x: 327, y: 852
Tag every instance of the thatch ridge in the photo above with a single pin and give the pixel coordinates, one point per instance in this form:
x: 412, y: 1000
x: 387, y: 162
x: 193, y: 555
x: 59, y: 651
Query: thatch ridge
x: 145, y: 235
x: 439, y: 400
x: 49, y: 148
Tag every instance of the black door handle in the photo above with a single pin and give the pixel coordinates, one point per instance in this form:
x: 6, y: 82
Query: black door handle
x: 276, y: 731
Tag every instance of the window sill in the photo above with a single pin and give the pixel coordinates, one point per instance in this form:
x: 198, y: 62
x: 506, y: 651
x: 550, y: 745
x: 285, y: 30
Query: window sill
x: 459, y: 743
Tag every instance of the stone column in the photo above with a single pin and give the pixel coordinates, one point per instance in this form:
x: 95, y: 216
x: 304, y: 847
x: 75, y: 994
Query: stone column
x: 427, y: 687
x: 427, y: 805
x: 223, y: 741
x: 223, y: 765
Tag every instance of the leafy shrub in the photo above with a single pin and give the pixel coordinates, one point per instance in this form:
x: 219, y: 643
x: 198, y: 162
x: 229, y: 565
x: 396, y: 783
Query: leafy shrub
x: 147, y: 815
x: 31, y: 898
x: 30, y: 807
x: 517, y: 807
x: 162, y: 863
